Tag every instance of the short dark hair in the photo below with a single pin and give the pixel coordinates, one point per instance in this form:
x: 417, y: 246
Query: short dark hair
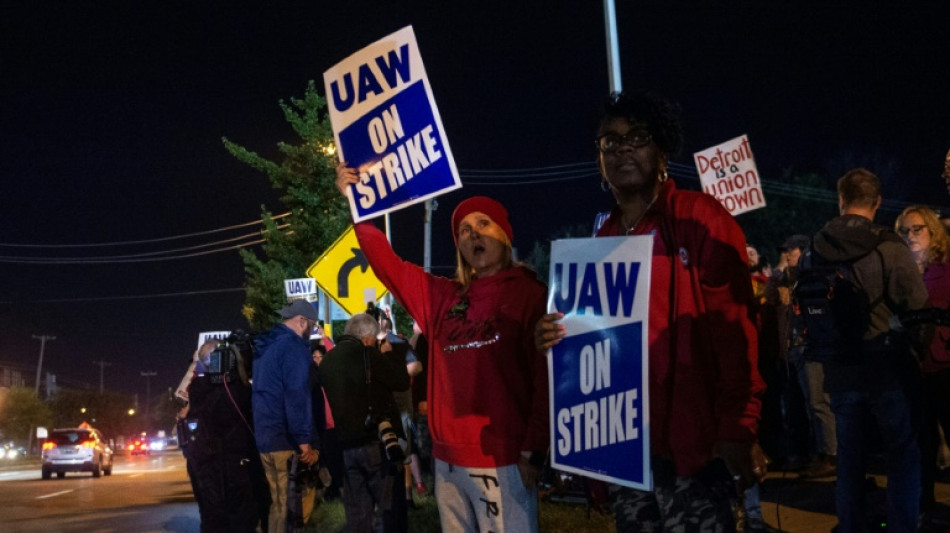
x: 859, y: 187
x: 660, y: 115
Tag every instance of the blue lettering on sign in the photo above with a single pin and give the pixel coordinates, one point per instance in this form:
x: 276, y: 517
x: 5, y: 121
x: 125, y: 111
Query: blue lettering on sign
x: 618, y: 279
x: 392, y: 147
x: 391, y: 66
x: 300, y: 287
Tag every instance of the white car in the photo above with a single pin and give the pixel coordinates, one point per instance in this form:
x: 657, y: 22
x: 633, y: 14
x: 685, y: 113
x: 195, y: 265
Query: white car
x: 76, y: 450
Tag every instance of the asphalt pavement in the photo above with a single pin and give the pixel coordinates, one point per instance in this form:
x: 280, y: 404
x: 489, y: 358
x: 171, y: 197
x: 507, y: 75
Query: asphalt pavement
x: 792, y: 505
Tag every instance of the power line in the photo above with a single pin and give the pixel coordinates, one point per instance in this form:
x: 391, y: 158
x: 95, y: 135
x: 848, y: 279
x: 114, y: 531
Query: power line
x: 146, y: 241
x: 134, y: 297
x: 95, y: 261
x: 117, y: 258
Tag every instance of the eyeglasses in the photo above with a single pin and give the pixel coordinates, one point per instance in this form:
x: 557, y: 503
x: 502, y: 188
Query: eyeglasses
x: 610, y: 142
x: 915, y: 230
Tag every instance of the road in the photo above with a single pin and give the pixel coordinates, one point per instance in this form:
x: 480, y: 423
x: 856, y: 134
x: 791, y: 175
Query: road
x: 144, y: 494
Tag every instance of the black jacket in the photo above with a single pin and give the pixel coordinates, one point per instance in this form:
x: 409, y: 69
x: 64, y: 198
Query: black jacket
x: 886, y: 270
x: 344, y: 381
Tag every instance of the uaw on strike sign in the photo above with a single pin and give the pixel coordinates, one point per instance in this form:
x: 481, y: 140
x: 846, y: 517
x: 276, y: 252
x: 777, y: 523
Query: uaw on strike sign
x: 387, y: 126
x: 599, y: 372
x: 728, y: 172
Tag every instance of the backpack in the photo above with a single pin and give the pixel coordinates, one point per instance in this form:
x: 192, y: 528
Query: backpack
x: 834, y: 308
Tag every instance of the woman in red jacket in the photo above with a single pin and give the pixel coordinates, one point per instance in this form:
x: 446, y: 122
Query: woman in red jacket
x: 487, y: 390
x: 704, y: 385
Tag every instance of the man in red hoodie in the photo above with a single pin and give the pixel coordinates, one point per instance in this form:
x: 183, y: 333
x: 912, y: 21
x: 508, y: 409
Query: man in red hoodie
x: 704, y: 385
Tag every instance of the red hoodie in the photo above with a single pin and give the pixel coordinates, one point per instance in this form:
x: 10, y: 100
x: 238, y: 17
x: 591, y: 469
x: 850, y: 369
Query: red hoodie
x: 704, y: 385
x: 488, y: 385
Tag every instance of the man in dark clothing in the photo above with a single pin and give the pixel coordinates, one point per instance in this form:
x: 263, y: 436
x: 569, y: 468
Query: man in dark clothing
x: 876, y: 382
x: 359, y: 380
x: 226, y: 464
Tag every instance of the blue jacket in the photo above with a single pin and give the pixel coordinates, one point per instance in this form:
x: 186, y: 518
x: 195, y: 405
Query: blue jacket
x: 281, y: 391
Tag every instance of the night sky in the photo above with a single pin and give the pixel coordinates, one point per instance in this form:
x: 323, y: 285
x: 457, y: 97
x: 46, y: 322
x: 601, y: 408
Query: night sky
x: 111, y: 118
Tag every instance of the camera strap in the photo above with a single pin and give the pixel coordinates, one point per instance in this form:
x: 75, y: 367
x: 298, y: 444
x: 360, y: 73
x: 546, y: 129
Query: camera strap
x: 368, y: 377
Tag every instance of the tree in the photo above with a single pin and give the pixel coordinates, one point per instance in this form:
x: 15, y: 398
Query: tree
x: 540, y: 256
x: 796, y: 204
x: 20, y: 411
x: 318, y: 214
x: 107, y: 412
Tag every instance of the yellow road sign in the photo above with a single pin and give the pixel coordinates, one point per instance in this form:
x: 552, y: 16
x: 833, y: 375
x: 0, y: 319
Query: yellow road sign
x: 344, y: 274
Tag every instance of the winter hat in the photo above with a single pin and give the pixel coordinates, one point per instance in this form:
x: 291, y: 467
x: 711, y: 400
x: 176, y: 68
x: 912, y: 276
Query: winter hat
x: 492, y: 208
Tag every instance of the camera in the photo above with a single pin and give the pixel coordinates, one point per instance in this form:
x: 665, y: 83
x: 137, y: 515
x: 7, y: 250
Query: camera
x: 387, y: 435
x: 232, y: 359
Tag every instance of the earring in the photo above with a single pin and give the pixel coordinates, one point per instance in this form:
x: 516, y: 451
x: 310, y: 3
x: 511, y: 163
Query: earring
x: 604, y: 186
x: 663, y: 175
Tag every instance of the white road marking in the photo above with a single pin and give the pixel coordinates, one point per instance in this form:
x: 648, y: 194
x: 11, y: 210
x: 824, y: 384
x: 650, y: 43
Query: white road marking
x: 54, y: 494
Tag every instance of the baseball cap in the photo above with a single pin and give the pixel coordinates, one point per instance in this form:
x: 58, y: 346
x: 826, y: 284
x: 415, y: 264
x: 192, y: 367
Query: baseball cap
x: 299, y: 307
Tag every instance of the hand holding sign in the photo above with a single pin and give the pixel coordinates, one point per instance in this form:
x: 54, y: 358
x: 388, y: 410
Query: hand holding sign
x: 386, y: 124
x: 548, y: 332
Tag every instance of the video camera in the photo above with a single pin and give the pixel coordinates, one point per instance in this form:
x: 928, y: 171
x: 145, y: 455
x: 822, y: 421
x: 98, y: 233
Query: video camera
x: 232, y: 359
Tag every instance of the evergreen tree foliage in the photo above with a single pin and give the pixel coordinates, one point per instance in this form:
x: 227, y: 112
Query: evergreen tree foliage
x: 318, y: 214
x: 798, y: 203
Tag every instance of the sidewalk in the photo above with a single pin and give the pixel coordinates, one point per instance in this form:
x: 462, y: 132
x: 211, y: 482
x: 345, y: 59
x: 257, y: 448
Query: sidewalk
x: 795, y: 506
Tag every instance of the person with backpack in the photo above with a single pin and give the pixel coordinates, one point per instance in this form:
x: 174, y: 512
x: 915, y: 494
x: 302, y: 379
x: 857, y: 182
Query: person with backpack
x: 871, y: 372
x: 806, y: 361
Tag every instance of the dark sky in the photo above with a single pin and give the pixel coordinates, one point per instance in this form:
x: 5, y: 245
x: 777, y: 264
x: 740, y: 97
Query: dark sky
x: 111, y: 118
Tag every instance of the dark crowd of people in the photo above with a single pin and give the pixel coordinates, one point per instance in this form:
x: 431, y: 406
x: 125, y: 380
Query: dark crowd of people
x: 745, y: 361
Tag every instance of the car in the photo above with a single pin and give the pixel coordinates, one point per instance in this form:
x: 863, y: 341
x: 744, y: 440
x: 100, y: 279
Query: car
x: 138, y: 447
x: 81, y: 449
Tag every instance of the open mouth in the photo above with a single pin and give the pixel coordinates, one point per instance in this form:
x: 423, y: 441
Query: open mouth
x: 478, y: 249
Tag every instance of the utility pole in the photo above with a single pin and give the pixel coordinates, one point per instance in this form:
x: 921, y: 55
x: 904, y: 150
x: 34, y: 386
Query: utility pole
x: 39, y: 365
x: 613, y: 52
x: 102, y: 366
x: 148, y: 391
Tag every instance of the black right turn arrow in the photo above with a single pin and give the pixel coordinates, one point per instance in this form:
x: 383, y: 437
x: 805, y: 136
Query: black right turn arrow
x: 342, y: 280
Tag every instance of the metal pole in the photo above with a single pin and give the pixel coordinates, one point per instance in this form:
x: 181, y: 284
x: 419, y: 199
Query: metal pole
x: 613, y: 52
x: 148, y: 391
x: 427, y: 236
x: 39, y: 365
x: 102, y: 366
x: 389, y: 295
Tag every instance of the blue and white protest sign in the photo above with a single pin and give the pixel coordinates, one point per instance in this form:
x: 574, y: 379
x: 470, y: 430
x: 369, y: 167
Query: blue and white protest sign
x: 598, y: 373
x: 387, y: 126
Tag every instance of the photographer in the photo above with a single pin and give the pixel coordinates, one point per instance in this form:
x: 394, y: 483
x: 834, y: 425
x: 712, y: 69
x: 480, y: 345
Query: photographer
x: 228, y: 476
x: 359, y: 378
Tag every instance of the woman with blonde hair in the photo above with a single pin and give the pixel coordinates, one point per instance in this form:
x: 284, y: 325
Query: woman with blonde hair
x: 925, y: 235
x: 487, y: 384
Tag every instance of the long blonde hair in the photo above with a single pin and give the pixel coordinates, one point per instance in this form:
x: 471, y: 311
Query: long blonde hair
x: 939, y: 249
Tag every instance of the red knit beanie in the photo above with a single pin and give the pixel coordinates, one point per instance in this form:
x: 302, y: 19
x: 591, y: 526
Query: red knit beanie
x: 492, y: 208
